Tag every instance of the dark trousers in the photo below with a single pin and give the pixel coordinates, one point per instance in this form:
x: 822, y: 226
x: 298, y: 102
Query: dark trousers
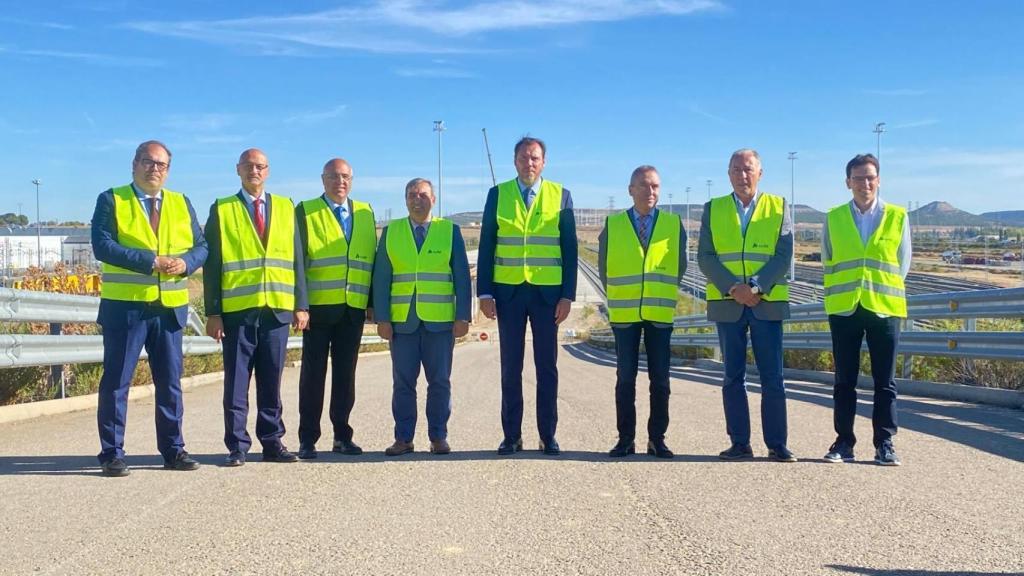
x: 340, y: 340
x: 883, y: 336
x: 766, y: 343
x: 528, y: 304
x: 627, y: 350
x: 259, y: 347
x: 432, y: 350
x: 160, y: 334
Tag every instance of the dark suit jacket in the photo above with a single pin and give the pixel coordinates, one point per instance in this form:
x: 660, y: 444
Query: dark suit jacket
x: 214, y: 267
x: 382, y: 272
x: 602, y: 251
x: 773, y: 272
x: 485, y: 283
x: 328, y: 313
x: 106, y: 248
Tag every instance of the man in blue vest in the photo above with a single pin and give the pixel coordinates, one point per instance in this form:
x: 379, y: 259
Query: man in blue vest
x: 526, y: 270
x: 144, y: 302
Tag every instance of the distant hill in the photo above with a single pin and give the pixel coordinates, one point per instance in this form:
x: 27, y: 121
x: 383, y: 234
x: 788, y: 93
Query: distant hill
x: 466, y: 218
x: 945, y: 214
x: 1005, y: 217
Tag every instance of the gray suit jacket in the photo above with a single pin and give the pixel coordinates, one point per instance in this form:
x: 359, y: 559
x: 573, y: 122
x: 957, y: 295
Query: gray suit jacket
x: 382, y: 272
x: 773, y: 272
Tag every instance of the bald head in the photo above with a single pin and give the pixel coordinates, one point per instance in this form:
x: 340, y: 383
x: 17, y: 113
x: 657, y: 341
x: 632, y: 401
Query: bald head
x: 253, y: 169
x: 337, y: 179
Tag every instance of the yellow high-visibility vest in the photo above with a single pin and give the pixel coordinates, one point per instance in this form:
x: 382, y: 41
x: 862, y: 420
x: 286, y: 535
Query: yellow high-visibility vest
x: 529, y: 248
x: 425, y: 274
x: 744, y: 255
x: 174, y: 239
x: 865, y: 274
x: 642, y: 286
x: 254, y: 276
x: 338, y: 271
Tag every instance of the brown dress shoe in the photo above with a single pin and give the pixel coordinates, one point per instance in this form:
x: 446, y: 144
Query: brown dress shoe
x: 398, y: 448
x: 440, y: 447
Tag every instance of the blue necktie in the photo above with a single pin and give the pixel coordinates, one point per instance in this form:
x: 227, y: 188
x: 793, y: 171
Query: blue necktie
x: 642, y: 232
x: 342, y: 215
x: 421, y: 236
x: 528, y: 196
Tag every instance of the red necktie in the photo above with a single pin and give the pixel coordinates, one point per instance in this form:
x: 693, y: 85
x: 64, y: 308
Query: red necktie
x: 154, y: 215
x: 261, y: 223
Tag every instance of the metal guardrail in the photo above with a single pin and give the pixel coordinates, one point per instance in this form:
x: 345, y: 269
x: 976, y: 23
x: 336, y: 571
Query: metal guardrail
x: 23, y: 350
x: 966, y: 305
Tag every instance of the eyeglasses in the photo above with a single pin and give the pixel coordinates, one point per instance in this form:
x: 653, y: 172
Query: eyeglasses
x: 869, y: 179
x: 149, y: 164
x: 249, y: 166
x: 342, y: 177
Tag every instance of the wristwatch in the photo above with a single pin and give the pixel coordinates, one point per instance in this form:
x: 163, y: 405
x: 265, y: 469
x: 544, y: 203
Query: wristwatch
x: 754, y: 287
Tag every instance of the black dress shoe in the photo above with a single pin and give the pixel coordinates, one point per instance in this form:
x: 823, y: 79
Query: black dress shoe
x: 235, y: 458
x: 623, y: 448
x: 781, y: 454
x: 307, y: 452
x: 182, y: 462
x: 659, y: 449
x: 116, y: 468
x: 282, y: 455
x: 347, y: 447
x: 510, y: 446
x: 550, y: 448
x: 737, y: 452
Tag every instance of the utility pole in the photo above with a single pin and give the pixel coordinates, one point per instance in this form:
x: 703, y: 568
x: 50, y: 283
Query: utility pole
x: 879, y: 128
x: 708, y: 182
x: 439, y: 127
x: 611, y: 204
x: 39, y: 230
x: 688, y: 224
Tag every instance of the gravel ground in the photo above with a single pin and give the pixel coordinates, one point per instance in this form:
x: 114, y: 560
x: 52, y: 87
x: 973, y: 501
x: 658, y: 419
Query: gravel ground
x: 954, y: 507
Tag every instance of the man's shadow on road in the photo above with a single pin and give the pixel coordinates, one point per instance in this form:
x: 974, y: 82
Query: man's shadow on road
x: 991, y: 429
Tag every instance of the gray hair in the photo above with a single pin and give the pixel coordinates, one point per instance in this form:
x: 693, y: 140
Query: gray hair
x: 745, y: 151
x: 640, y: 171
x: 416, y: 182
x: 144, y: 147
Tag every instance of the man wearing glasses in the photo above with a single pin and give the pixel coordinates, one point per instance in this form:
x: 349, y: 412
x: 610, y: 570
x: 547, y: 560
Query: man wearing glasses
x: 339, y: 240
x: 865, y: 249
x: 149, y: 242
x: 254, y: 287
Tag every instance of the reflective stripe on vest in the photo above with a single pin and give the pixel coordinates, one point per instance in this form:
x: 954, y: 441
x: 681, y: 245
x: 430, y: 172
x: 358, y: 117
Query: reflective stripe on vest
x: 529, y: 248
x: 642, y: 286
x: 744, y: 255
x: 253, y: 276
x: 134, y: 231
x: 338, y: 272
x: 866, y: 275
x: 425, y: 274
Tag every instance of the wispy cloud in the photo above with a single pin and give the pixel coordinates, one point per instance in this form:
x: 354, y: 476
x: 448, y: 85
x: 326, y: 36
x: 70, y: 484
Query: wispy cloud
x: 1004, y: 163
x: 88, y: 57
x: 412, y: 26
x: 40, y: 24
x: 896, y: 92
x: 434, y: 72
x: 699, y: 111
x: 203, y: 122
x: 314, y: 116
x: 916, y: 124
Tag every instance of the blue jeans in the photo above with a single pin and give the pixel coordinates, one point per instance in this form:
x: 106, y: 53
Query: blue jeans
x: 766, y: 342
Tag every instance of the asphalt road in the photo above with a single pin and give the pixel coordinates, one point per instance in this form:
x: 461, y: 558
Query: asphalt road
x: 954, y: 507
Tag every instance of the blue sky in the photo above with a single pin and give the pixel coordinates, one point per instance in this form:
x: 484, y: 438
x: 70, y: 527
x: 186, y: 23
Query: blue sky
x: 609, y: 84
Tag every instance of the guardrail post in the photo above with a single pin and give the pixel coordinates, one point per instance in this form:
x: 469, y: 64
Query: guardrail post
x: 908, y: 364
x: 57, y: 370
x: 970, y: 325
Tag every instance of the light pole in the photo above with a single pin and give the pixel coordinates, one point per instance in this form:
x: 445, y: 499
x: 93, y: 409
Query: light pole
x: 792, y: 211
x: 439, y: 127
x: 708, y: 182
x: 39, y: 231
x: 879, y: 128
x: 671, y: 208
x: 687, y: 223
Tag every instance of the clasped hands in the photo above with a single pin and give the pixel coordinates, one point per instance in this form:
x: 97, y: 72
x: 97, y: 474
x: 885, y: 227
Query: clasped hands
x: 169, y: 265
x: 744, y: 295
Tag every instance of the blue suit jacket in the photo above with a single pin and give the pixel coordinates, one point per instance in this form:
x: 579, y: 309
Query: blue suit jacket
x: 214, y: 268
x: 382, y: 272
x: 485, y: 283
x: 105, y: 247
